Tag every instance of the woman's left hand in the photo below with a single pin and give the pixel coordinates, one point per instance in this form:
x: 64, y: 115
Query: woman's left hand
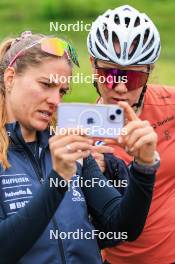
x: 98, y: 154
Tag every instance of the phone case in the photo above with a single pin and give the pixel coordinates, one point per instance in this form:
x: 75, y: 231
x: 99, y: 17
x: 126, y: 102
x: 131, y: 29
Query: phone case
x: 100, y: 120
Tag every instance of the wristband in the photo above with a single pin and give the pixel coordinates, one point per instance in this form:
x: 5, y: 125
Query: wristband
x: 145, y: 168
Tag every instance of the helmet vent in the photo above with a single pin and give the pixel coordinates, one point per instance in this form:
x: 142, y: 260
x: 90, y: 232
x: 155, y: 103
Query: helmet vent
x: 150, y: 43
x: 134, y: 46
x: 117, y: 19
x: 147, y: 57
x: 90, y: 42
x: 115, y: 40
x: 146, y: 35
x: 127, y: 21
x: 105, y: 31
x: 126, y: 9
x: 137, y: 22
x: 100, y: 51
x: 100, y: 38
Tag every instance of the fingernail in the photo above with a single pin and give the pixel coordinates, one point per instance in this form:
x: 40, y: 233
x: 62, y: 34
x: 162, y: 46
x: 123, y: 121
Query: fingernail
x: 120, y: 140
x: 126, y: 149
x: 131, y: 149
x: 111, y: 150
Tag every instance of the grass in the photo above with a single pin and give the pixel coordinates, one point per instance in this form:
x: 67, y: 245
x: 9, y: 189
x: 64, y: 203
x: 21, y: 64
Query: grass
x: 17, y: 16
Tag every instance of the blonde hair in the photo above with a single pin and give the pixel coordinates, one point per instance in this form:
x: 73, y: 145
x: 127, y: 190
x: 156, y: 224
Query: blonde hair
x: 34, y: 56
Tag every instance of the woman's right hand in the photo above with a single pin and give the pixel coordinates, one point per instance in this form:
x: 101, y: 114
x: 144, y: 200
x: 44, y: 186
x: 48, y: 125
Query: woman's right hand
x: 65, y: 150
x: 139, y: 139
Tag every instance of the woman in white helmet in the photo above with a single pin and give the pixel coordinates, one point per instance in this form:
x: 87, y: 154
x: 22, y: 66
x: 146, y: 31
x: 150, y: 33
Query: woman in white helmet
x: 125, y: 43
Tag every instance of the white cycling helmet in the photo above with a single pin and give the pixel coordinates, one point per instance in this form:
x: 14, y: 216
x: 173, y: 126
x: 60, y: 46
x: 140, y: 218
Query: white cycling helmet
x: 136, y: 34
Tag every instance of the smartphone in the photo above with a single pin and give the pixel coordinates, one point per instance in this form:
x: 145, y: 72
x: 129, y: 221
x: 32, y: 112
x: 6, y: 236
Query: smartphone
x: 99, y: 120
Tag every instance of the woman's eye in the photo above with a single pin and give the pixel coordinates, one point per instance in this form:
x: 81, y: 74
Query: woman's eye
x: 62, y: 91
x: 47, y: 84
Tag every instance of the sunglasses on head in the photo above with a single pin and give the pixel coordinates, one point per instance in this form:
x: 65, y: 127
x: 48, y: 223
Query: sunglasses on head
x: 53, y: 46
x: 131, y: 78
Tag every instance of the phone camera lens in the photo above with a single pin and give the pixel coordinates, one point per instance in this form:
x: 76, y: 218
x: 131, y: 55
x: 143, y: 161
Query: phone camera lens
x: 118, y: 111
x: 90, y: 121
x: 112, y: 117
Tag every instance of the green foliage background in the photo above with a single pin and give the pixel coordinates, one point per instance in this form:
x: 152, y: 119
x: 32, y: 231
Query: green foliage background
x: 36, y: 15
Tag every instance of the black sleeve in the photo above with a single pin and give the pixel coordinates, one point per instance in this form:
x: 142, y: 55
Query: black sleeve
x: 16, y: 238
x: 112, y: 211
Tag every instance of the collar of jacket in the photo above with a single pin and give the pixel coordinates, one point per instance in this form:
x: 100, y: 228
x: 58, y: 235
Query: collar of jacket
x: 15, y: 135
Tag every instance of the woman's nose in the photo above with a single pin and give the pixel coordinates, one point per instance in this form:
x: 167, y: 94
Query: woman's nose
x: 120, y: 88
x: 54, y: 97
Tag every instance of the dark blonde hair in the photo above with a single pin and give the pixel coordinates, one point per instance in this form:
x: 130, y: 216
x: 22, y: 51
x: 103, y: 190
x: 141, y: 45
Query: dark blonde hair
x: 34, y: 56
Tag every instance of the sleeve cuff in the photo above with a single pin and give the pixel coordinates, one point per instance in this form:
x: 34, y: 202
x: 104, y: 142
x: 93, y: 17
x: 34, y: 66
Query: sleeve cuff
x: 58, y: 182
x: 145, y: 169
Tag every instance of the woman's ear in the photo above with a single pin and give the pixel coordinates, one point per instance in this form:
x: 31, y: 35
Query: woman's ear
x: 9, y: 75
x: 92, y: 64
x: 92, y: 60
x: 152, y: 66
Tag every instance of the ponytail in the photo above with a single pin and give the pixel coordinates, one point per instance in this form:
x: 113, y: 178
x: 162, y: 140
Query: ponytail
x: 4, y: 140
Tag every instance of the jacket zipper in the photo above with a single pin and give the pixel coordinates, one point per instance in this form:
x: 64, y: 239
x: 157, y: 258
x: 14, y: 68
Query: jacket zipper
x: 41, y: 180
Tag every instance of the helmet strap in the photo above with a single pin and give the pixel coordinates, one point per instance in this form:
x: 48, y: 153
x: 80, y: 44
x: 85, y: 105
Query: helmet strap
x: 140, y: 101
